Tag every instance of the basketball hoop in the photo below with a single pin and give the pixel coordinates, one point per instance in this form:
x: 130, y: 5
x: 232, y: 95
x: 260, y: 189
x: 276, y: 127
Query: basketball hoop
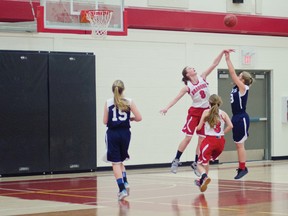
x: 99, y: 20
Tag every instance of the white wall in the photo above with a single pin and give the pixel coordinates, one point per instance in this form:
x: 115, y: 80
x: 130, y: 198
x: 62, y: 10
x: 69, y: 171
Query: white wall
x: 150, y: 64
x: 276, y: 8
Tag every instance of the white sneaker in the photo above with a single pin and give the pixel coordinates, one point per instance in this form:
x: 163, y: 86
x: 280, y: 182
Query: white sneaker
x: 122, y: 195
x: 194, y: 168
x: 174, y: 165
x: 127, y: 187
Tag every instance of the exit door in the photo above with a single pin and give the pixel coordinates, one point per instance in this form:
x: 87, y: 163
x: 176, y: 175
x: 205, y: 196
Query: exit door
x: 258, y: 107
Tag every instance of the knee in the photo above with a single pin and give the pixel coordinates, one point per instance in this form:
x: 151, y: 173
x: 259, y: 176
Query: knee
x: 239, y: 146
x: 188, y: 139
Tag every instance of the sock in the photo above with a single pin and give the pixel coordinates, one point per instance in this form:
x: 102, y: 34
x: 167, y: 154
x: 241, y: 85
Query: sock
x: 124, y: 174
x: 242, y: 165
x: 120, y: 184
x: 178, y: 155
x: 196, y: 158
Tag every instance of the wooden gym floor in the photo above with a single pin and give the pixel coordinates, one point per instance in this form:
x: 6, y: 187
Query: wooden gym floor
x: 264, y: 191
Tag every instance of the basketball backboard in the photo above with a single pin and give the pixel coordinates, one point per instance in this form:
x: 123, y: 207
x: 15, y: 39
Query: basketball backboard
x: 64, y: 16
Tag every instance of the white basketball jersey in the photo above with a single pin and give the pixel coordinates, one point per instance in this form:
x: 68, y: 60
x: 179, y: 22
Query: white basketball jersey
x: 199, y: 93
x: 218, y: 129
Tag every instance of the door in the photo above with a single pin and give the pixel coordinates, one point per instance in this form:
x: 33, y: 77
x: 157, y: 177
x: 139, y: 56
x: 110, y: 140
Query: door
x: 258, y: 143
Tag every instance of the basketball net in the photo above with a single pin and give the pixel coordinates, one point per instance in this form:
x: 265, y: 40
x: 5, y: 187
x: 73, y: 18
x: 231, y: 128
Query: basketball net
x: 99, y: 20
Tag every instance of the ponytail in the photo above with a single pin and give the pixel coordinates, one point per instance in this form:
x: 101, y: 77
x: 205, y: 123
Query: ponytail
x: 119, y: 101
x: 185, y: 79
x: 248, y: 79
x: 213, y: 117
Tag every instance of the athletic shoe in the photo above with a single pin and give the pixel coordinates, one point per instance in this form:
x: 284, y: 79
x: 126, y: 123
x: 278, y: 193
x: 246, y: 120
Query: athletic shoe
x: 241, y: 173
x: 197, y: 182
x: 174, y: 166
x: 204, y: 184
x: 122, y: 195
x: 194, y: 168
x: 127, y: 187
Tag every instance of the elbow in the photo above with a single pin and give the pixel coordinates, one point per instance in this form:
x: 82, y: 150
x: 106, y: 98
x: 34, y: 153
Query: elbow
x: 105, y: 121
x: 138, y: 119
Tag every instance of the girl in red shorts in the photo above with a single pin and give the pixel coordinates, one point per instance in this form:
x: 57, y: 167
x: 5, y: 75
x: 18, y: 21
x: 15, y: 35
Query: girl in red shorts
x: 214, y: 121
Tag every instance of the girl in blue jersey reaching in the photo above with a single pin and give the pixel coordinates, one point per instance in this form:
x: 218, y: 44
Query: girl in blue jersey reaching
x: 240, y: 119
x: 117, y: 117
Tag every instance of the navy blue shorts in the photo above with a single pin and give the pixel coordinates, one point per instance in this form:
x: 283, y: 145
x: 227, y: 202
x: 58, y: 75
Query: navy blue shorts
x: 117, y: 141
x: 240, y: 129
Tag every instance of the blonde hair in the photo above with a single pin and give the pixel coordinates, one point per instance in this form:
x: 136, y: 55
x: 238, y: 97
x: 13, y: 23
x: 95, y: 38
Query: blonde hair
x: 215, y: 102
x: 120, y: 102
x: 246, y: 76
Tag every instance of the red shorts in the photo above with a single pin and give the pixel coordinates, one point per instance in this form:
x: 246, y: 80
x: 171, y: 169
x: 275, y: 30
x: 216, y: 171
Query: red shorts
x: 210, y: 149
x: 192, y: 120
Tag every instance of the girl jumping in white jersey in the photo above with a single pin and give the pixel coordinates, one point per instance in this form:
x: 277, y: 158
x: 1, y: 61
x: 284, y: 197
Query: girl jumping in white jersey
x: 197, y: 87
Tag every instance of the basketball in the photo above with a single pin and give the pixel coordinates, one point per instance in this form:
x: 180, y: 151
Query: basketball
x: 230, y: 20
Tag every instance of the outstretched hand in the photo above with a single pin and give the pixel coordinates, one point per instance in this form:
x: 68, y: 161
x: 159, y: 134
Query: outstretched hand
x: 163, y: 111
x: 229, y: 51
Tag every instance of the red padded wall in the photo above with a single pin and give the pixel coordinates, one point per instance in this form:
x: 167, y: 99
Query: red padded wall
x: 161, y: 19
x: 17, y: 11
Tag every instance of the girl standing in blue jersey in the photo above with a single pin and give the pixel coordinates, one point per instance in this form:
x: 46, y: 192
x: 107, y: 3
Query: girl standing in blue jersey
x: 240, y: 119
x: 117, y: 117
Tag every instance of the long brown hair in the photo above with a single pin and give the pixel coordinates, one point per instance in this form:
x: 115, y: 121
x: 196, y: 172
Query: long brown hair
x: 185, y: 79
x: 118, y: 88
x: 213, y: 117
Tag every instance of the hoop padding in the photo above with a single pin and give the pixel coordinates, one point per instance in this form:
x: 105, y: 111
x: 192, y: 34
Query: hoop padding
x: 99, y: 20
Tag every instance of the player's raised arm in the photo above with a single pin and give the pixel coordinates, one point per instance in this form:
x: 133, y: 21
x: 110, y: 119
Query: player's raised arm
x: 233, y: 74
x: 215, y: 63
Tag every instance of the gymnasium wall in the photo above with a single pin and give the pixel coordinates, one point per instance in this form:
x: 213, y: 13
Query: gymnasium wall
x: 150, y: 64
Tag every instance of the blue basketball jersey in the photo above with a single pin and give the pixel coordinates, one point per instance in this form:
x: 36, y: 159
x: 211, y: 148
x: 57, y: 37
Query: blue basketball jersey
x: 239, y: 102
x: 116, y: 117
